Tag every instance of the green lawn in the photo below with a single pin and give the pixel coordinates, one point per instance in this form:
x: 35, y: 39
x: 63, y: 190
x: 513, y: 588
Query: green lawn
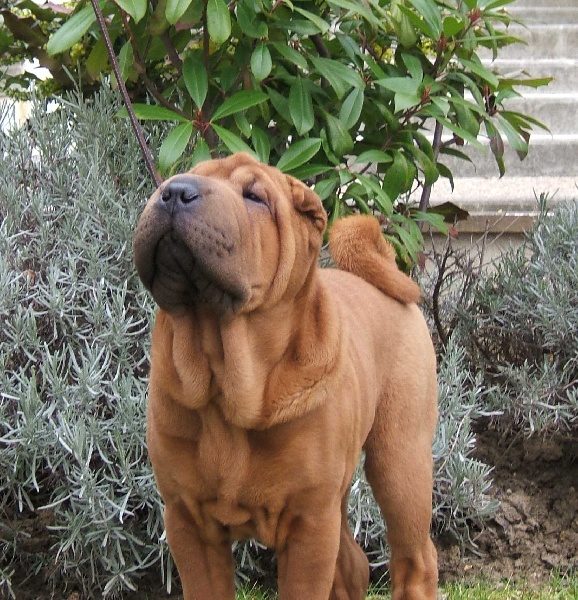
x: 559, y: 588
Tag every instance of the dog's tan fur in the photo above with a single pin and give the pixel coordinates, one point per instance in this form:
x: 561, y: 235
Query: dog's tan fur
x: 268, y: 378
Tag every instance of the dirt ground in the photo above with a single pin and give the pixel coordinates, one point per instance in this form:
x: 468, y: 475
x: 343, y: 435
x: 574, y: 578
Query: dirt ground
x: 533, y: 534
x: 535, y: 531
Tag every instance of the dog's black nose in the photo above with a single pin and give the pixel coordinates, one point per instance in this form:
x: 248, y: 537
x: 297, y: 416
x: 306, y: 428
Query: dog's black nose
x: 179, y: 192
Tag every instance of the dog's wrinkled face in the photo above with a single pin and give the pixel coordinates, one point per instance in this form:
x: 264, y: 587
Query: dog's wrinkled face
x: 232, y: 234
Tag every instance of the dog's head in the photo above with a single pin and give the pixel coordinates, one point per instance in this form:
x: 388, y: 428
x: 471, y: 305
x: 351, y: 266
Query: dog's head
x: 231, y: 234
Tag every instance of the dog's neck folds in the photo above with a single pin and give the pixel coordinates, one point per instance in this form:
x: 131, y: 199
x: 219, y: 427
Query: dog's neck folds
x: 261, y: 368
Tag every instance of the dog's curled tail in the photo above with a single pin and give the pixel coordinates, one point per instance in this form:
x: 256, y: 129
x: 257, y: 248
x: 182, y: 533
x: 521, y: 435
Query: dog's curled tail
x: 357, y: 245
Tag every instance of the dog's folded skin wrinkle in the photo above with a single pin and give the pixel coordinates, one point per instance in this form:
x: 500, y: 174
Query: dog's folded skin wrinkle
x: 268, y: 378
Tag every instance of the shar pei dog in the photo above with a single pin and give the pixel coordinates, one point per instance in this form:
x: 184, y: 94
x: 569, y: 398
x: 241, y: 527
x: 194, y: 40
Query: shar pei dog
x: 270, y: 376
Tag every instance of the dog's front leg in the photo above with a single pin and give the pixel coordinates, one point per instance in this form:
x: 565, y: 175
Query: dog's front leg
x: 308, y: 557
x: 206, y: 570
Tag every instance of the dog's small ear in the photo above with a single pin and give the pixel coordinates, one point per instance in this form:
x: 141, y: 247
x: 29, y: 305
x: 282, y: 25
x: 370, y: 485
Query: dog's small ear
x: 308, y: 203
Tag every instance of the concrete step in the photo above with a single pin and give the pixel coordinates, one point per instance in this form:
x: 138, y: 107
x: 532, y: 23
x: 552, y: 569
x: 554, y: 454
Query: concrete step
x: 541, y: 41
x: 509, y: 204
x: 542, y: 4
x: 563, y: 70
x: 545, y: 15
x: 558, y: 111
x: 549, y: 155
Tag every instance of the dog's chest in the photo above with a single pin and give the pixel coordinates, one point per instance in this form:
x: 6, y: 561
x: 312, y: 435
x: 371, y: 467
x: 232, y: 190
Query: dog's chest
x: 236, y: 485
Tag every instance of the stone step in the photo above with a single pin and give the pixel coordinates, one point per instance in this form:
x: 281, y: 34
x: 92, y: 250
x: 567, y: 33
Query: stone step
x: 563, y: 70
x: 545, y: 15
x: 549, y: 155
x: 558, y: 111
x: 508, y: 205
x: 542, y: 3
x: 541, y: 41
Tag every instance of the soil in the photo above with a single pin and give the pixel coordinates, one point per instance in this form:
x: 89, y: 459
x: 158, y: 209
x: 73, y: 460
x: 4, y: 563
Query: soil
x: 533, y: 534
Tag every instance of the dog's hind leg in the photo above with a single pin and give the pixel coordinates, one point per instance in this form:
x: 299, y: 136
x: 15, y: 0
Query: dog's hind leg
x: 398, y: 466
x: 352, y: 568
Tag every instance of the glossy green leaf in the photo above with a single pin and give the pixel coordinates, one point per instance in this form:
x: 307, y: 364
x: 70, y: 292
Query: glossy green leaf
x: 404, y: 101
x: 280, y: 104
x: 445, y: 172
x: 351, y: 108
x: 374, y: 157
x: 426, y: 164
x: 460, y: 131
x: 519, y: 120
x: 340, y: 77
x: 413, y: 65
x: 298, y: 154
x: 357, y: 8
x: 452, y: 26
x: 291, y: 54
x: 97, y: 60
x: 71, y: 32
x: 430, y: 13
x: 374, y: 190
x: 240, y: 101
x: 218, y: 21
x: 395, y: 180
x: 261, y: 63
x: 515, y: 137
x: 150, y: 112
x: 233, y: 142
x: 301, y: 106
x: 325, y: 187
x: 433, y: 220
x: 261, y: 143
x: 534, y: 83
x: 243, y: 124
x: 496, y: 146
x: 126, y: 62
x: 491, y: 4
x: 424, y: 144
x: 411, y: 244
x: 174, y: 145
x: 201, y: 152
x: 478, y: 69
x: 310, y: 170
x: 401, y: 85
x: 135, y: 8
x: 176, y: 9
x: 339, y: 139
x: 320, y: 24
x: 404, y: 26
x: 442, y: 104
x: 196, y: 80
x: 466, y: 118
x: 248, y: 22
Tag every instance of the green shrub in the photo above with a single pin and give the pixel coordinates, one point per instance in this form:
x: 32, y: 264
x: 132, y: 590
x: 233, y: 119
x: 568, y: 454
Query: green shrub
x: 351, y: 95
x: 73, y: 366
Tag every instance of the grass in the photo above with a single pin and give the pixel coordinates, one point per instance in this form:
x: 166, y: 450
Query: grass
x: 558, y: 588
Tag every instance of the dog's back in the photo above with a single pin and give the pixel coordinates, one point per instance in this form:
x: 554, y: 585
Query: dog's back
x: 357, y: 245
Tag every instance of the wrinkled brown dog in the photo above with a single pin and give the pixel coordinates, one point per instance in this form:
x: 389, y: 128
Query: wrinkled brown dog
x: 269, y: 376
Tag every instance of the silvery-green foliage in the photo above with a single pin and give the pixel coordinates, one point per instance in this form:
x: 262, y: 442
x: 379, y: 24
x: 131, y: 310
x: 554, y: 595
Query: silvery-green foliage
x: 462, y: 482
x: 73, y: 340
x: 521, y: 326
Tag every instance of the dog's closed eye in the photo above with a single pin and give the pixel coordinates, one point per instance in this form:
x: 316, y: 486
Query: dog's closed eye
x: 253, y: 197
